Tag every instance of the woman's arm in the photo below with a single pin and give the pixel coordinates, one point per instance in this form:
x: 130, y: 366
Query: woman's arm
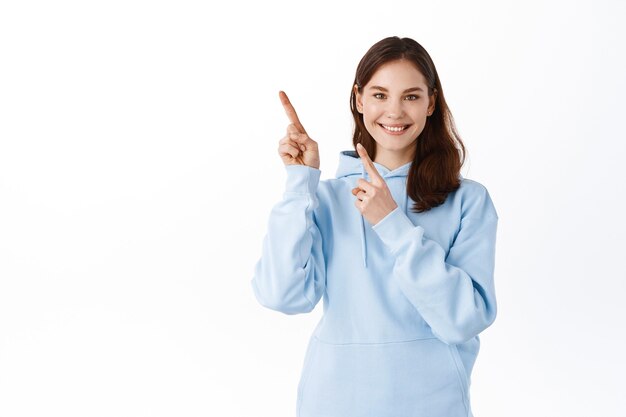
x: 455, y: 294
x: 291, y: 275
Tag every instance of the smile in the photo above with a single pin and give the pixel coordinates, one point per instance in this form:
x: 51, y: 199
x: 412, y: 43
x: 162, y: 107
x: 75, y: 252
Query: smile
x: 394, y: 129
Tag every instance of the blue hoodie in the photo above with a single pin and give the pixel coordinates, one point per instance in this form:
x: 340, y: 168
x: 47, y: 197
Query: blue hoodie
x: 404, y: 300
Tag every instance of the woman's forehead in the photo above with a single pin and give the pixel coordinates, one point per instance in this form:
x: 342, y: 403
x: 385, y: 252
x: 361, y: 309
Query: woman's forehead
x: 397, y: 75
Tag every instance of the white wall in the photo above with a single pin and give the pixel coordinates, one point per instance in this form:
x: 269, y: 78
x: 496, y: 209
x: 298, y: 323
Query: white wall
x: 138, y: 166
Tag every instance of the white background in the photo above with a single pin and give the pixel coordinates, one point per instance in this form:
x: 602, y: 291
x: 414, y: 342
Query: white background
x: 138, y: 166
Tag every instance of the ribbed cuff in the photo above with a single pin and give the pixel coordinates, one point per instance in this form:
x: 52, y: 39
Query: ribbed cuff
x: 302, y: 179
x: 393, y: 227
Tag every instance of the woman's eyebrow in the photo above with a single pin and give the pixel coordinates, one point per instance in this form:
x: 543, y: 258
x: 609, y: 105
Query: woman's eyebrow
x: 408, y: 90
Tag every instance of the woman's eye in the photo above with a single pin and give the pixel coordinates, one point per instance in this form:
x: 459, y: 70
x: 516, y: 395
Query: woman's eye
x: 381, y: 96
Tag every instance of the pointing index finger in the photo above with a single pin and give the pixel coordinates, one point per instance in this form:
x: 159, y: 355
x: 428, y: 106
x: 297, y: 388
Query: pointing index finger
x: 291, y: 112
x: 369, y: 165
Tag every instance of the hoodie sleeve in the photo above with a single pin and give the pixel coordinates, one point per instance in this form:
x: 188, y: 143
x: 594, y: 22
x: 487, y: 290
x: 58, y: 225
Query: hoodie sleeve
x: 454, y: 293
x: 290, y: 276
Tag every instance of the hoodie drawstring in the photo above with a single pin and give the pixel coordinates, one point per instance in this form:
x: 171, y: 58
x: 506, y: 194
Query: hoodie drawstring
x: 363, y: 243
x: 363, y: 246
x: 406, y: 201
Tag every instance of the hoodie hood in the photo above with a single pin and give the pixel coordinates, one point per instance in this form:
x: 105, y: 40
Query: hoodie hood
x: 350, y: 165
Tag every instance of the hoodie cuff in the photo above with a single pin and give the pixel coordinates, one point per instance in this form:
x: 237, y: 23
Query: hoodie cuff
x: 302, y: 179
x: 393, y: 227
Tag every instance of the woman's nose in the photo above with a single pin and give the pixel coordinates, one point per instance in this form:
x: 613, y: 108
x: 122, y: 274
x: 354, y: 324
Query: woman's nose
x: 394, y: 109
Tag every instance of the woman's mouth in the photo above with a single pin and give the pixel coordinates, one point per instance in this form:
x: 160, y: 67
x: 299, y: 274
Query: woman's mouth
x: 394, y: 129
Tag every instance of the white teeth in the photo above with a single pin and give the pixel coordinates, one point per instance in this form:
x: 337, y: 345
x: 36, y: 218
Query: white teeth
x: 394, y: 129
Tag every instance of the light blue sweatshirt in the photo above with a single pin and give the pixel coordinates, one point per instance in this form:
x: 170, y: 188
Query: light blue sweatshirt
x: 404, y: 300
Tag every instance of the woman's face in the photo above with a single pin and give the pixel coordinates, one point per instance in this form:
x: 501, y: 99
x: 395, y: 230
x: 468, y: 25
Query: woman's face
x: 395, y: 104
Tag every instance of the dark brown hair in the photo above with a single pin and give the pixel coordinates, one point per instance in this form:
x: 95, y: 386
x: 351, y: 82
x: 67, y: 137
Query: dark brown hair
x: 435, y: 170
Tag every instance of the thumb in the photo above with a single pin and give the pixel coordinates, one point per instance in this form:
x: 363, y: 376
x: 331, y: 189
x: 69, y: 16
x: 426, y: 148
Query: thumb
x: 292, y: 129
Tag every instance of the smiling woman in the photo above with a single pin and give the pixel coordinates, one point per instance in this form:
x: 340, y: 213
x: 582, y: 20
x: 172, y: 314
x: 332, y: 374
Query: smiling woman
x: 399, y: 334
x: 395, y: 116
x: 397, y: 90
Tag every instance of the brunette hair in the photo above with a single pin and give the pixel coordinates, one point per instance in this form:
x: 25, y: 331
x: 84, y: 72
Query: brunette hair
x: 439, y: 153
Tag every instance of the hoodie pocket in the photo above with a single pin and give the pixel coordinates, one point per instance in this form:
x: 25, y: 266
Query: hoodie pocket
x: 412, y: 378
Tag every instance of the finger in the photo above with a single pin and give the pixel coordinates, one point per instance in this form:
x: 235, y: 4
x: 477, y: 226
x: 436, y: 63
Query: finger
x: 292, y: 128
x: 298, y: 140
x: 359, y: 193
x: 292, y: 142
x: 367, y: 162
x: 291, y: 112
x: 288, y: 140
x: 365, y: 186
x: 288, y: 149
x: 302, y: 139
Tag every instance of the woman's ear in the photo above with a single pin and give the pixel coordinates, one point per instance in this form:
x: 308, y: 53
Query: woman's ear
x: 359, y: 99
x: 431, y: 102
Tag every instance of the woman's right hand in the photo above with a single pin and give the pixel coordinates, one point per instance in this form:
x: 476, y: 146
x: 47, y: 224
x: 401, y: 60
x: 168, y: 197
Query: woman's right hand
x: 297, y: 148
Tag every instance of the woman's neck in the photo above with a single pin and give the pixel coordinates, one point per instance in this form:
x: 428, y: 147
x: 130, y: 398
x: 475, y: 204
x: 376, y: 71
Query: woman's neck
x: 393, y: 159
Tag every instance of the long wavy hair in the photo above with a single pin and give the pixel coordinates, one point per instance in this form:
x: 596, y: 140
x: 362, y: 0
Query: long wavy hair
x: 439, y: 153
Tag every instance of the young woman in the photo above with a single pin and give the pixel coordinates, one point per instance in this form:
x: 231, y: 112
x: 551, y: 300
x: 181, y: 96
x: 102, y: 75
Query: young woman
x: 399, y: 333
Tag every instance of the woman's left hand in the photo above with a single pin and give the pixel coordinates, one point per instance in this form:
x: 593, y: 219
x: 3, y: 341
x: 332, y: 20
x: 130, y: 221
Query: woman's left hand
x: 374, y: 199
